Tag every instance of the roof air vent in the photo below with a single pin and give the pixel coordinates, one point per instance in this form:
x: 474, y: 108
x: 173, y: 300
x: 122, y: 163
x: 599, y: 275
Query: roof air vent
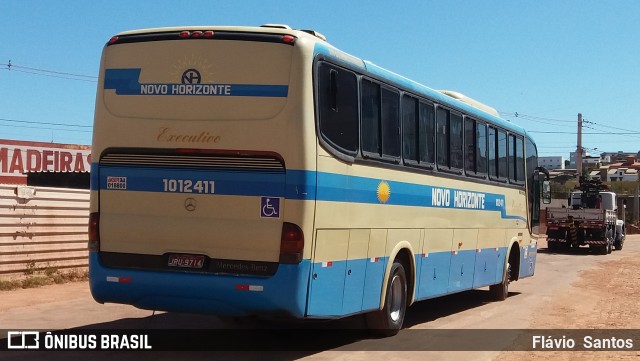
x: 316, y: 34
x: 276, y: 26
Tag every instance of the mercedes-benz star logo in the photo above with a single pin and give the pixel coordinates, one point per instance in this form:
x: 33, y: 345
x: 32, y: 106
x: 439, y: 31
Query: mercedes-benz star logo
x: 190, y: 204
x: 191, y: 76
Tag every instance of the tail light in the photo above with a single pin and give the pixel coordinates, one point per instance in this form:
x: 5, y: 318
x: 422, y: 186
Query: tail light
x: 289, y: 39
x: 291, y: 243
x: 94, y: 232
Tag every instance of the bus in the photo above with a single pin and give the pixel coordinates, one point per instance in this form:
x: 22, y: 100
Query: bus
x: 260, y: 171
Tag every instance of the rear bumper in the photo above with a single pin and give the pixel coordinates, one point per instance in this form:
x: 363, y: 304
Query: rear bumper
x: 284, y: 294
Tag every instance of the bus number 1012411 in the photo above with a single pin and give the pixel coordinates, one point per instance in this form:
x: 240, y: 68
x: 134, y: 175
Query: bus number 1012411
x: 188, y: 186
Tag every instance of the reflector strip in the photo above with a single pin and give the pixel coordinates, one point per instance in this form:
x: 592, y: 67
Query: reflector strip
x: 327, y: 264
x: 255, y: 288
x: 375, y: 259
x: 425, y: 255
x: 454, y: 252
x: 118, y: 279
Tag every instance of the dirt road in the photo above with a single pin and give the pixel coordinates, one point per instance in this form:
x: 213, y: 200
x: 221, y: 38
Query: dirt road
x: 606, y: 296
x: 569, y: 291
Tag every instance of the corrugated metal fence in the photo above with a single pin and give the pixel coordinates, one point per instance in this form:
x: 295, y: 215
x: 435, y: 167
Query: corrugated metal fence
x: 42, y: 228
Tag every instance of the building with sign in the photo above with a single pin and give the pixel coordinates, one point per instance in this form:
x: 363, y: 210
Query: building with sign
x: 19, y: 158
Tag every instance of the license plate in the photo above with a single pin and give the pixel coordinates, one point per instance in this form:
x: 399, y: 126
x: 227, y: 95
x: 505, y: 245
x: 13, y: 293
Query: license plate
x: 185, y: 261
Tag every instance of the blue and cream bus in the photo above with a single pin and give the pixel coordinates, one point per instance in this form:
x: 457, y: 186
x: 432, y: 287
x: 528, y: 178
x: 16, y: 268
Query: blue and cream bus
x: 261, y: 171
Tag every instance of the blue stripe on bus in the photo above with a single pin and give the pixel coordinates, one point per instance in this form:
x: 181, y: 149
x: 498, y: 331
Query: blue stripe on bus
x: 203, y: 293
x: 301, y: 185
x: 337, y: 288
x: 434, y: 275
x: 346, y: 287
x: 237, y: 183
x: 127, y: 82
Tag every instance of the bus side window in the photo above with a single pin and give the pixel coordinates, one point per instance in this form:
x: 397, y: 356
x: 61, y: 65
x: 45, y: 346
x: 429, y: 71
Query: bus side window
x: 503, y: 162
x: 520, y: 159
x: 338, y: 108
x: 512, y: 158
x: 390, y: 120
x: 442, y: 137
x: 455, y: 142
x: 370, y: 109
x: 410, y: 139
x: 469, y: 145
x: 481, y: 147
x: 427, y: 126
x: 493, y: 151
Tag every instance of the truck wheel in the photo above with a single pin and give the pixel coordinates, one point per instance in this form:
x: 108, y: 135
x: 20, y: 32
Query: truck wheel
x: 388, y: 321
x: 619, y: 242
x: 610, y: 238
x: 500, y: 292
x: 602, y: 249
x: 552, y: 246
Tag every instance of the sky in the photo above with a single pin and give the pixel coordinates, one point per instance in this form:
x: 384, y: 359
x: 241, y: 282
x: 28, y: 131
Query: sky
x: 538, y: 62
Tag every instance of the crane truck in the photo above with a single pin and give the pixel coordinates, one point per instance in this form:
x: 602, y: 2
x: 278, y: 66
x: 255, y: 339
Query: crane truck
x: 589, y: 219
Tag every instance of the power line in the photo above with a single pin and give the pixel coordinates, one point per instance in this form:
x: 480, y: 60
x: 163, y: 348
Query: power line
x: 608, y: 126
x: 52, y: 76
x: 44, y: 123
x: 588, y: 133
x: 47, y: 128
x: 543, y: 122
x: 530, y: 117
x: 50, y: 73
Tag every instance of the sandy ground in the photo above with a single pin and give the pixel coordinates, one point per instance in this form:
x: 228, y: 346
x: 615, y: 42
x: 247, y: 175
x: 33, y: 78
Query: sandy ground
x: 607, y: 297
x: 602, y: 297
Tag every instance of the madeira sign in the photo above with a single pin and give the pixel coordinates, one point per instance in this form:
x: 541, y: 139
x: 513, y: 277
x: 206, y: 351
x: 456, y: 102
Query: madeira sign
x: 17, y: 158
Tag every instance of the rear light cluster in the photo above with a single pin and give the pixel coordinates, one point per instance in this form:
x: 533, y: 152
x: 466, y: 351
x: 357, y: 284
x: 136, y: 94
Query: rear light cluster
x: 206, y: 34
x: 94, y: 232
x: 291, y: 243
x: 196, y: 34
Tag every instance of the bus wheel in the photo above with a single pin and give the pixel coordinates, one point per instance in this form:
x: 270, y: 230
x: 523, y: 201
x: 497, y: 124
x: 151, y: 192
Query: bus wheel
x: 388, y: 321
x: 500, y: 292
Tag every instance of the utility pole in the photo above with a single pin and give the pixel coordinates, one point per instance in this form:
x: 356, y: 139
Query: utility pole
x: 579, y: 151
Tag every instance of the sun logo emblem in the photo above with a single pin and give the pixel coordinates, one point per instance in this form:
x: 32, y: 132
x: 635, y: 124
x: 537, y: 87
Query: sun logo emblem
x: 384, y: 192
x: 192, y: 70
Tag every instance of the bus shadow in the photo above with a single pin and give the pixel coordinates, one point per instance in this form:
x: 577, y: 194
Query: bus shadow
x: 433, y: 309
x: 177, y: 336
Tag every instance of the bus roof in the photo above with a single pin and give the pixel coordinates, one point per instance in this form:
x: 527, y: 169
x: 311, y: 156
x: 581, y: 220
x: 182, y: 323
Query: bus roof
x: 450, y: 98
x: 453, y: 99
x: 266, y: 28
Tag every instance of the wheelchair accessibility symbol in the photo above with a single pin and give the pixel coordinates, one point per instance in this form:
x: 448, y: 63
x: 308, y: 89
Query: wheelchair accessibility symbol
x: 270, y: 207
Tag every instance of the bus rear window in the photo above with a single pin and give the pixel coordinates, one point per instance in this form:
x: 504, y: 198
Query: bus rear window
x: 194, y: 80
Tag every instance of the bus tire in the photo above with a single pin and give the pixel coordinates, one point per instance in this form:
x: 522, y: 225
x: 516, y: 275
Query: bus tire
x: 388, y: 321
x: 500, y: 292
